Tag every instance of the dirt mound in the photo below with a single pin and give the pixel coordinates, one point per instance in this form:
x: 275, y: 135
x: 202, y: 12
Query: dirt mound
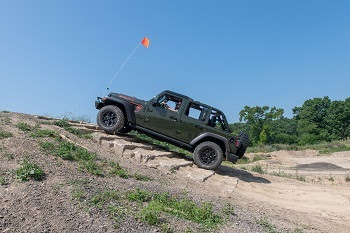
x: 320, y: 166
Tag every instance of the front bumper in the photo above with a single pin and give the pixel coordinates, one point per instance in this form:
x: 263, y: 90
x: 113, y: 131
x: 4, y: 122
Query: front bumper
x: 99, y: 103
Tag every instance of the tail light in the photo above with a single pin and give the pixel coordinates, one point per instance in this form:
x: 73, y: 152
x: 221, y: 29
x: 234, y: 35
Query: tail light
x: 238, y: 143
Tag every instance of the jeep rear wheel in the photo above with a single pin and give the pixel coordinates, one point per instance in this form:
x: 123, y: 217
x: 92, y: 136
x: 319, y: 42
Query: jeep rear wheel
x: 208, y: 155
x: 111, y: 119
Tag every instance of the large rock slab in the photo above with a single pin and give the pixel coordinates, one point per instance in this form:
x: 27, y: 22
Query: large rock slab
x: 168, y: 164
x: 143, y: 155
x: 195, y: 173
x: 98, y: 137
x: 85, y: 130
x: 120, y: 146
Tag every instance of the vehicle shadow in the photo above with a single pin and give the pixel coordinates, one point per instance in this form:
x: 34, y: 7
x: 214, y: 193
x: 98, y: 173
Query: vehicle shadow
x: 240, y: 174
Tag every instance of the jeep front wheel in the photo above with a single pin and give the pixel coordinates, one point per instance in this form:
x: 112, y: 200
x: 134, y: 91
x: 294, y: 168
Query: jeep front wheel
x: 111, y: 119
x: 208, y: 155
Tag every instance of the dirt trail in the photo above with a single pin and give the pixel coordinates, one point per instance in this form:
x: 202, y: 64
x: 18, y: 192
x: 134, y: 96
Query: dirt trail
x: 314, y: 205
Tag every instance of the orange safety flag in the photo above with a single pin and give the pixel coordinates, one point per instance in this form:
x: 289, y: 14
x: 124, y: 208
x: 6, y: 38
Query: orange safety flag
x: 145, y: 41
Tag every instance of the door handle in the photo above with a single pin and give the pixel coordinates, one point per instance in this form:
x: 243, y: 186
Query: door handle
x: 198, y: 126
x: 149, y: 110
x: 146, y: 119
x: 173, y: 118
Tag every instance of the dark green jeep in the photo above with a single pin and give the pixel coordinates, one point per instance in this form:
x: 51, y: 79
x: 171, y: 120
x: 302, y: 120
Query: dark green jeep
x: 177, y: 119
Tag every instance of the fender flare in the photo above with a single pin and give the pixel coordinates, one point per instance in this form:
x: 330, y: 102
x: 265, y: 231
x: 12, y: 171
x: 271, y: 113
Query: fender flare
x: 128, y: 108
x: 212, y: 135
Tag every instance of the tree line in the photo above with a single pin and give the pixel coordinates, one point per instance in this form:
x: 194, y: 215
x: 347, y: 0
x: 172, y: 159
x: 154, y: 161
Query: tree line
x: 317, y: 120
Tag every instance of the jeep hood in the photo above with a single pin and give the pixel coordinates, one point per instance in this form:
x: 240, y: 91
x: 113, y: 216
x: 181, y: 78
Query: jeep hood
x: 129, y: 99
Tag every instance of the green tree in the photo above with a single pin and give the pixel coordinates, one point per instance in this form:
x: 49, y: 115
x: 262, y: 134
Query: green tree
x: 284, y: 131
x: 258, y: 119
x: 338, y: 119
x: 311, y: 118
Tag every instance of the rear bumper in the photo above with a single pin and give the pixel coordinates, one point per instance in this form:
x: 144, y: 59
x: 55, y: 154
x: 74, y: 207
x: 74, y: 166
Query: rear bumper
x: 231, y: 157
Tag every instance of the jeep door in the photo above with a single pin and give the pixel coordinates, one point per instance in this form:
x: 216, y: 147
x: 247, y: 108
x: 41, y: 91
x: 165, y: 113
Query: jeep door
x: 162, y: 115
x: 192, y: 121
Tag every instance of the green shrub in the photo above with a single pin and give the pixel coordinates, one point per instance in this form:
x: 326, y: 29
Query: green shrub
x: 264, y: 222
x: 91, y: 167
x: 117, y: 170
x: 24, y: 126
x: 228, y: 209
x: 258, y: 168
x: 347, y: 178
x: 141, y: 177
x: 43, y: 133
x: 48, y: 146
x: 3, y: 180
x: 139, y: 195
x: 5, y: 134
x: 29, y: 171
x: 65, y: 125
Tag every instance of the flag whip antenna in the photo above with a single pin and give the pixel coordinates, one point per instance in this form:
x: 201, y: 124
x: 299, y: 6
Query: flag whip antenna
x: 144, y: 42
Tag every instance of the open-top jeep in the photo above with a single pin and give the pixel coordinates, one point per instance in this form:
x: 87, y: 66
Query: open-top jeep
x: 176, y: 119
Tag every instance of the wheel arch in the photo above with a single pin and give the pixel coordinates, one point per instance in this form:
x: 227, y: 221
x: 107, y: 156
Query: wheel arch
x: 128, y: 109
x: 221, y: 141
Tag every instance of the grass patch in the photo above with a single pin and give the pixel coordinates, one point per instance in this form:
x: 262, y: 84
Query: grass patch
x: 101, y: 198
x: 290, y: 176
x: 91, y: 167
x: 347, y: 178
x: 258, y: 169
x: 228, y: 209
x: 3, y: 180
x: 245, y: 160
x: 258, y: 158
x: 65, y: 125
x: 139, y: 195
x: 29, y: 171
x: 43, y: 133
x: 24, y: 126
x: 78, y: 195
x: 69, y: 151
x: 116, y: 169
x: 48, y: 146
x: 36, y: 132
x: 181, y: 208
x: 9, y: 156
x: 5, y: 134
x: 142, y: 177
x: 264, y: 222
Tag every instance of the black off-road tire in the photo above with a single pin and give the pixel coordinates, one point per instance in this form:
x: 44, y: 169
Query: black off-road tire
x: 111, y: 119
x: 244, y: 139
x: 208, y: 155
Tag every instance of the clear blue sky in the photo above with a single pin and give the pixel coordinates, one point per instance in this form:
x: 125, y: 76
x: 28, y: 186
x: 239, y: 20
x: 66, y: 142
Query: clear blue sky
x: 57, y: 56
